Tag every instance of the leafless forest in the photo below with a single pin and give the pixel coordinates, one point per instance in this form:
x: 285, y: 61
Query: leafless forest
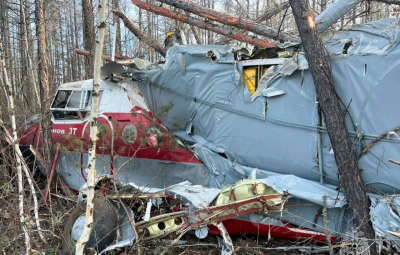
x: 70, y: 26
x: 46, y: 43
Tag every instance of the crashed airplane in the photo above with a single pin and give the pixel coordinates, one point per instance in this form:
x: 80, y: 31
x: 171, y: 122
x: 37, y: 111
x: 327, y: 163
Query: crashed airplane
x: 257, y: 117
x: 225, y: 140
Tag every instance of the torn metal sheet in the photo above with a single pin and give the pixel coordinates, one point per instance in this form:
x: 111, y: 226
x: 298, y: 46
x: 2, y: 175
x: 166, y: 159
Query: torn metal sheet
x: 284, y: 137
x: 280, y: 134
x: 385, y: 217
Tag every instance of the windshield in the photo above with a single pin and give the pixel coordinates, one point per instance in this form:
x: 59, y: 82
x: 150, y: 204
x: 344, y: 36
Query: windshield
x: 61, y: 99
x: 72, y: 104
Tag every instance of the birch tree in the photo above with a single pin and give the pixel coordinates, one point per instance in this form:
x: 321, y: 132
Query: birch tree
x: 20, y: 180
x: 91, y: 168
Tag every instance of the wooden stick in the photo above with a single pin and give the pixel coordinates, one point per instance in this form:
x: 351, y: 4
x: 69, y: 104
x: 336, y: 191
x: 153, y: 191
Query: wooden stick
x: 394, y: 161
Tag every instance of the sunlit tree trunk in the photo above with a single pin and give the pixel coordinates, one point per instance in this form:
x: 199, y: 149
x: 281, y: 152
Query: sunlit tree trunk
x: 329, y: 102
x: 44, y: 82
x: 91, y: 168
x: 88, y: 35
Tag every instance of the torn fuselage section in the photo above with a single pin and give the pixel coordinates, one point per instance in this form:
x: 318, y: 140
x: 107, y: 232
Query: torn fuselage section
x: 183, y: 207
x: 259, y: 118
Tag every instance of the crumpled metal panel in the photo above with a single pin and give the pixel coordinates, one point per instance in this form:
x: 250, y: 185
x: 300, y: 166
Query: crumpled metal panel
x: 385, y: 217
x: 375, y: 38
x: 279, y: 135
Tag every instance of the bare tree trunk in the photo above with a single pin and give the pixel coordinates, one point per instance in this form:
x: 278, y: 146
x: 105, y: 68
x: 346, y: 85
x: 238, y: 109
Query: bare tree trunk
x: 202, y: 24
x: 91, y: 169
x: 24, y: 224
x: 88, y: 35
x: 44, y: 82
x: 274, y: 11
x: 76, y: 32
x: 115, y: 5
x: 229, y: 20
x: 62, y: 57
x: 329, y: 102
x: 152, y: 42
x: 196, y: 34
x: 28, y: 53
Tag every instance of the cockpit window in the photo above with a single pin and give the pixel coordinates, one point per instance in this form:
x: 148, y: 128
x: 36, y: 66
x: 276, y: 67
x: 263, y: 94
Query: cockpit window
x: 72, y: 104
x: 61, y: 99
x: 75, y: 99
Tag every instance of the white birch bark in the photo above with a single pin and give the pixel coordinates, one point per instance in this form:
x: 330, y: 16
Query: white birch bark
x: 16, y: 148
x: 91, y: 168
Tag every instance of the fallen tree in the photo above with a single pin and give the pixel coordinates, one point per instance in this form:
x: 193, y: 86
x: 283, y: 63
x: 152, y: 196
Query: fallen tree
x: 202, y: 24
x: 229, y: 20
x: 319, y: 64
x: 266, y: 16
x: 139, y: 34
x: 105, y: 58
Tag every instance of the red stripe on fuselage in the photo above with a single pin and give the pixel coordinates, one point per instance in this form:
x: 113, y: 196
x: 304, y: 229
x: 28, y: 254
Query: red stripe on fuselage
x: 74, y: 137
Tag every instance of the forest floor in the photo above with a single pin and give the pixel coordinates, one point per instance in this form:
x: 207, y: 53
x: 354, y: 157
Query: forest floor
x: 53, y: 216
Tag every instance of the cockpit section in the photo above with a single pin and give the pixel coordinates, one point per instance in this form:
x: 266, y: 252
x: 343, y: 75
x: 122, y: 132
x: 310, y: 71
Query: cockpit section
x: 71, y: 104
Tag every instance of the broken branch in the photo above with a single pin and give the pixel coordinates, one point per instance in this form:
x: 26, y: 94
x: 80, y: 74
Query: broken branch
x: 202, y: 24
x: 139, y: 34
x: 229, y: 20
x: 267, y: 15
x: 365, y: 151
x: 394, y: 161
x: 105, y: 58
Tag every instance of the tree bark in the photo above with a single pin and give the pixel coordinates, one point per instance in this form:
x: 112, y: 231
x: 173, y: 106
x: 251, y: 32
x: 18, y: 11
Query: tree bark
x: 91, y: 168
x: 350, y: 174
x: 44, y: 82
x: 88, y: 35
x: 36, y: 98
x: 229, y: 20
x: 115, y: 5
x: 202, y: 24
x: 139, y: 34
